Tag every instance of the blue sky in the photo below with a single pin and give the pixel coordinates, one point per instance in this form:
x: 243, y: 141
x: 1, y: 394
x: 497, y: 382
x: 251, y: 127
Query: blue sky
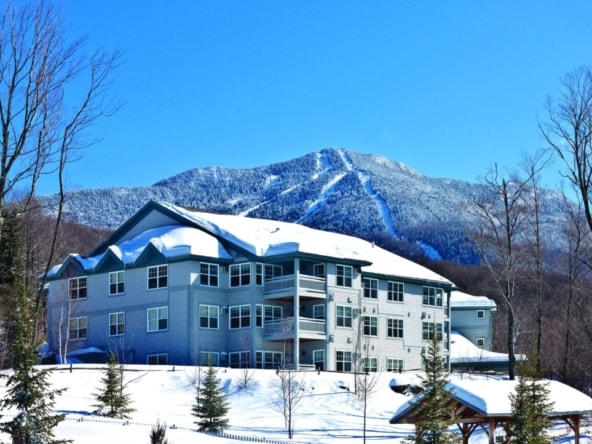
x: 446, y: 87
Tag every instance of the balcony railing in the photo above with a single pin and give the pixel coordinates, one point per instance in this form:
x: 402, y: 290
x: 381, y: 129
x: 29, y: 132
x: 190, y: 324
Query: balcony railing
x: 287, y: 284
x: 284, y: 327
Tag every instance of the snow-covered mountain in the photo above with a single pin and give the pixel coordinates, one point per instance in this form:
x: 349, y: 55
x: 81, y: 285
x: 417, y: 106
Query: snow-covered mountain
x: 338, y: 190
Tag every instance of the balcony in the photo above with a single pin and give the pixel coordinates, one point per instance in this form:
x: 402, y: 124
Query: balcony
x: 308, y: 328
x: 285, y: 286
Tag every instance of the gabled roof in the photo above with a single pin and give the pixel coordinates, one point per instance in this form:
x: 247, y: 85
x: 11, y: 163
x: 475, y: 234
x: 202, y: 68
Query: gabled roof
x: 178, y: 232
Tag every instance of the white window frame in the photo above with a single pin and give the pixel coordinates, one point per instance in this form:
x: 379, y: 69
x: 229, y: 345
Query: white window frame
x: 370, y: 364
x: 117, y: 323
x: 370, y: 326
x: 395, y: 331
x: 344, y: 276
x: 429, y: 329
x: 116, y: 282
x: 480, y: 342
x: 157, y: 277
x: 162, y: 313
x: 344, y: 316
x: 268, y: 359
x: 237, y: 312
x: 267, y: 313
x: 395, y: 365
x: 209, y: 274
x: 343, y: 360
x: 78, y: 325
x: 78, y: 288
x: 212, y: 314
x: 239, y: 275
x: 370, y: 287
x: 480, y: 314
x: 432, y: 296
x: 395, y: 291
x: 239, y: 359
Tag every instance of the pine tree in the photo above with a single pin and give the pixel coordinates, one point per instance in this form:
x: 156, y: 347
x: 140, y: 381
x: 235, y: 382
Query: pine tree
x: 158, y: 433
x: 29, y: 391
x: 433, y: 402
x: 530, y: 408
x: 111, y: 397
x: 211, y: 406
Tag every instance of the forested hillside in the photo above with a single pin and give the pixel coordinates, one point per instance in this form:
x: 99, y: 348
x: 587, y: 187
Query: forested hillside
x: 335, y: 190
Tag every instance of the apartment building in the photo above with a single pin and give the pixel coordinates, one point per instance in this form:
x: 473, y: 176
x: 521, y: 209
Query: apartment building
x: 179, y: 286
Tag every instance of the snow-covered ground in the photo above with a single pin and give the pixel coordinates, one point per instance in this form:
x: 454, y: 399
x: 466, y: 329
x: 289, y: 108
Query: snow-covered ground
x: 329, y: 412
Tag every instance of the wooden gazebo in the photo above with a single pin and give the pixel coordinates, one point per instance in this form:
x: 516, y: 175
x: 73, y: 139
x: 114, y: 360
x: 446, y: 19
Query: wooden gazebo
x: 485, y: 403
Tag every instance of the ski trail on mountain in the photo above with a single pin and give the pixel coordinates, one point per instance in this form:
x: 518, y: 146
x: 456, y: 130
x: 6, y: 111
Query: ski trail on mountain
x: 367, y: 185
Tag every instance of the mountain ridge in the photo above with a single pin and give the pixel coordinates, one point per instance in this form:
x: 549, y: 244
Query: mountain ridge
x: 365, y: 195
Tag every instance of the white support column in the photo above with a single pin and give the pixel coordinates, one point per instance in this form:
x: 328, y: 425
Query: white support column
x: 297, y: 314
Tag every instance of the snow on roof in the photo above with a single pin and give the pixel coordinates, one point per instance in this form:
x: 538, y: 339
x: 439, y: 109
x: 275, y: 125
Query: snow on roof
x: 261, y: 237
x: 458, y: 299
x: 463, y: 350
x: 491, y: 397
x: 268, y: 238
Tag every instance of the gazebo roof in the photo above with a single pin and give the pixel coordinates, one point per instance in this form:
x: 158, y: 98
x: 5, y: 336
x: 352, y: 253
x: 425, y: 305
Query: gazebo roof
x: 491, y: 397
x: 487, y: 401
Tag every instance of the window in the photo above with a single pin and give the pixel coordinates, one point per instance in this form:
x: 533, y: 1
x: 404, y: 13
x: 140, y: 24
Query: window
x: 266, y: 271
x: 344, y: 316
x: 429, y: 330
x: 318, y: 312
x: 240, y: 359
x: 78, y: 328
x: 240, y: 275
x: 158, y: 359
x: 343, y: 361
x: 318, y: 270
x: 370, y: 324
x: 394, y: 328
x: 318, y: 359
x: 116, y: 282
x: 267, y: 313
x: 158, y: 319
x: 480, y: 314
x: 208, y: 274
x: 370, y: 364
x: 77, y: 288
x: 208, y: 358
x: 208, y: 316
x: 158, y: 276
x: 240, y: 316
x: 394, y: 365
x: 344, y: 275
x: 480, y: 342
x: 116, y: 324
x: 432, y: 296
x: 370, y: 288
x: 395, y: 291
x: 268, y: 359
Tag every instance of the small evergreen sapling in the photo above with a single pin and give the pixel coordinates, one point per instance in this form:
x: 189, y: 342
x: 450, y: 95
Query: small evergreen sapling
x: 530, y: 407
x: 111, y: 397
x: 433, y: 411
x: 211, y: 406
x: 158, y: 433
